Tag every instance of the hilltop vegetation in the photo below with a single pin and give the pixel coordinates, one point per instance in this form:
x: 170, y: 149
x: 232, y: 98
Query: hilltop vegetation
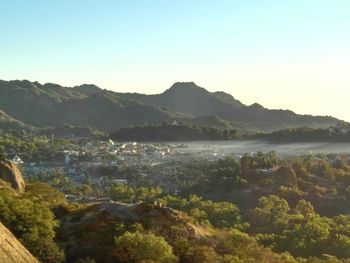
x: 259, y: 208
x: 338, y: 133
x: 168, y: 132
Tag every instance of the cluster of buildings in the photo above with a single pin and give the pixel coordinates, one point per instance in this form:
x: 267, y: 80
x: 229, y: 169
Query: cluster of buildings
x: 89, y: 162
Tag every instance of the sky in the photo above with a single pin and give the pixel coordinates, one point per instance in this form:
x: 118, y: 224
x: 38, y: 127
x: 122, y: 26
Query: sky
x: 290, y: 54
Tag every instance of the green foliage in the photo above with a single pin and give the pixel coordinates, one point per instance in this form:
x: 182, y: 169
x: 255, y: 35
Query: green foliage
x: 34, y: 148
x: 286, y: 176
x: 218, y: 214
x: 307, y: 134
x: 127, y: 194
x: 240, y: 247
x: 300, y: 231
x: 33, y: 224
x: 308, y: 238
x: 271, y: 215
x: 141, y: 247
x: 44, y: 194
x: 202, y: 254
x: 168, y: 132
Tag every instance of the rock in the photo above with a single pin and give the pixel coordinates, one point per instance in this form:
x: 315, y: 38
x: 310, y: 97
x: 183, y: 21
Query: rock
x: 10, y: 173
x: 11, y: 250
x: 91, y: 231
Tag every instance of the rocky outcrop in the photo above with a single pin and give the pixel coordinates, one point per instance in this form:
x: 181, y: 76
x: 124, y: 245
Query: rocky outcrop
x: 11, y: 250
x: 91, y: 231
x: 10, y: 173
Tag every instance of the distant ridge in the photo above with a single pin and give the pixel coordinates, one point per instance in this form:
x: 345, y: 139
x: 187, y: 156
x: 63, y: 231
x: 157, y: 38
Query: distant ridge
x: 26, y: 103
x: 189, y: 99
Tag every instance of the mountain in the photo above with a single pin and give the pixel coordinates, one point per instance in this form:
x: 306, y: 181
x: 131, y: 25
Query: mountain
x: 188, y: 98
x: 191, y: 100
x: 27, y: 104
x: 53, y: 105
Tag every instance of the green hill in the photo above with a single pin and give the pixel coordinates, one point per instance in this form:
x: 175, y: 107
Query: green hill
x: 9, y: 123
x: 52, y: 105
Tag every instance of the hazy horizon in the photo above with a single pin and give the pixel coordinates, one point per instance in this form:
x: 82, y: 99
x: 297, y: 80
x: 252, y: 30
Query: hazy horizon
x: 283, y: 55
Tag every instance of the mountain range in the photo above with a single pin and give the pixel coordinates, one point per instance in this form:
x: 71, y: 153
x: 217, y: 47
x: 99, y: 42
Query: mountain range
x: 25, y: 104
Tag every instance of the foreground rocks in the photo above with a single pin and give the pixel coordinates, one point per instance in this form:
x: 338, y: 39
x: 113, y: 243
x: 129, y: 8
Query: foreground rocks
x: 11, y: 250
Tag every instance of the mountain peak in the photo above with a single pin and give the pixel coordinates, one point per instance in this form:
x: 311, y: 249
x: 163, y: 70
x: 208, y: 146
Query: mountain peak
x: 87, y: 89
x: 188, y: 84
x: 185, y: 85
x: 256, y: 106
x: 185, y: 88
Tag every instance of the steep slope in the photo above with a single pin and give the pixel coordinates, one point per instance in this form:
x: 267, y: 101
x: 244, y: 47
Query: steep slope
x: 9, y: 123
x: 11, y: 250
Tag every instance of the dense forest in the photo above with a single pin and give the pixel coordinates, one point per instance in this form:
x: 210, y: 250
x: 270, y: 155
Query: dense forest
x: 173, y: 132
x: 338, y: 133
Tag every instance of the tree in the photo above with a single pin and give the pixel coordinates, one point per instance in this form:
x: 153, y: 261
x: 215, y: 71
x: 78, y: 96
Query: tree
x: 307, y: 239
x: 286, y: 176
x: 271, y: 215
x: 247, y: 165
x: 304, y: 207
x: 86, y: 189
x: 139, y: 247
x: 201, y: 254
x: 44, y: 194
x: 219, y: 214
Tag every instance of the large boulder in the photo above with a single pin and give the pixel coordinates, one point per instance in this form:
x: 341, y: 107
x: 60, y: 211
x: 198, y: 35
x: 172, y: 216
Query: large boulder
x: 11, y: 250
x: 10, y: 173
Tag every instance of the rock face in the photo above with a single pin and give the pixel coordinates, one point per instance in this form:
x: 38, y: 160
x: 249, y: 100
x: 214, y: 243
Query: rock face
x: 10, y: 173
x: 11, y: 250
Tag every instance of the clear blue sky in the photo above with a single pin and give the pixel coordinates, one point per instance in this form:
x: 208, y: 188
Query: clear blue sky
x: 283, y: 54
